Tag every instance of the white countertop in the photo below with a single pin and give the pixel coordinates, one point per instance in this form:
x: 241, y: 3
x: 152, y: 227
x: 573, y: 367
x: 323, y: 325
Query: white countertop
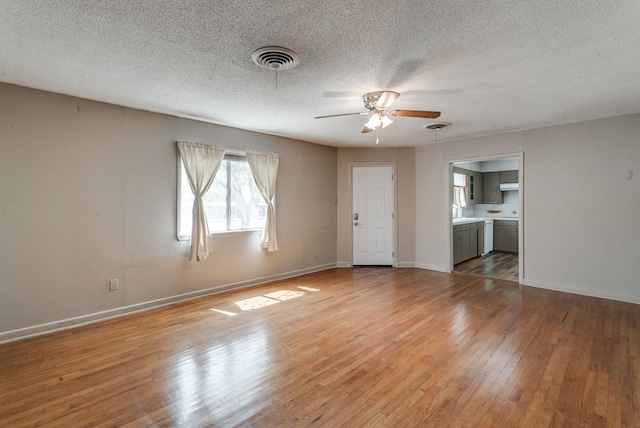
x: 465, y: 220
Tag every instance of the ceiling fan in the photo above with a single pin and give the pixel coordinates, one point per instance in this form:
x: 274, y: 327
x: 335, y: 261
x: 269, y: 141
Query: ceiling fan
x: 377, y: 103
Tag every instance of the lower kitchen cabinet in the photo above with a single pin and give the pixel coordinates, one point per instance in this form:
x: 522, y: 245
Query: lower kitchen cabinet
x: 505, y: 235
x: 468, y: 241
x: 461, y: 243
x: 473, y: 242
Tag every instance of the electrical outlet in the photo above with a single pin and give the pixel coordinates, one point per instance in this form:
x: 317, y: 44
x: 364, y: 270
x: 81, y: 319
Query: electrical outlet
x: 113, y: 285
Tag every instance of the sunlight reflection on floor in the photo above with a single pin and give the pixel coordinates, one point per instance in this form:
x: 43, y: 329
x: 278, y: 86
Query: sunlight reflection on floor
x: 283, y: 295
x: 255, y: 303
x: 266, y: 300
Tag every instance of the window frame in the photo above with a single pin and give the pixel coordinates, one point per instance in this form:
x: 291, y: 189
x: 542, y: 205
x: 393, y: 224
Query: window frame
x: 230, y: 155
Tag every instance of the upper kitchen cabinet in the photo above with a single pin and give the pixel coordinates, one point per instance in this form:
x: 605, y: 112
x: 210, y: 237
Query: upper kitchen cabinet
x: 509, y: 176
x: 476, y: 192
x: 491, y: 188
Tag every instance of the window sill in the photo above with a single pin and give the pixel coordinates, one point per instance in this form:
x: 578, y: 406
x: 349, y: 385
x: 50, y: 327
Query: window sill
x: 235, y: 233
x: 227, y: 234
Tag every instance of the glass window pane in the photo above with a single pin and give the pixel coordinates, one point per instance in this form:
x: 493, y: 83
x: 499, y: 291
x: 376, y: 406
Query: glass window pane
x: 215, y: 201
x: 245, y: 198
x: 234, y: 183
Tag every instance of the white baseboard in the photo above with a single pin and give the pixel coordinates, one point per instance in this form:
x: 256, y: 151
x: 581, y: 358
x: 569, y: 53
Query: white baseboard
x: 398, y: 265
x: 50, y: 327
x: 581, y: 291
x: 405, y: 264
x: 431, y: 267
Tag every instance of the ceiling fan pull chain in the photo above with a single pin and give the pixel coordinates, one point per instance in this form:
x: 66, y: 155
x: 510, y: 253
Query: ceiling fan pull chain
x: 377, y: 133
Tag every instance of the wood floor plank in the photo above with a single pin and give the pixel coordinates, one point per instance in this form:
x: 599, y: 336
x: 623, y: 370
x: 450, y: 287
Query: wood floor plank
x: 344, y: 347
x: 496, y: 264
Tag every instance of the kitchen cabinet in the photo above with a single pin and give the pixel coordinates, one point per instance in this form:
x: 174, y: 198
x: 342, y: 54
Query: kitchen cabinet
x: 509, y: 176
x: 505, y: 235
x: 461, y: 243
x: 491, y: 188
x: 476, y: 181
x: 473, y: 242
x: 468, y: 241
x: 457, y: 247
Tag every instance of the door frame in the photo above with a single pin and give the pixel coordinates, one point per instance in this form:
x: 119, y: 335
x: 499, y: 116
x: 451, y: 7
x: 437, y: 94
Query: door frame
x: 394, y: 221
x: 521, y: 217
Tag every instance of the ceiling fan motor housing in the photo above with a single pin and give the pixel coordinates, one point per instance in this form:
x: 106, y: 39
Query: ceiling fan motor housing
x: 379, y: 100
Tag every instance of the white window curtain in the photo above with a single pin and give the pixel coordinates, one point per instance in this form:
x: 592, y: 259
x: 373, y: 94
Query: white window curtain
x: 459, y: 184
x: 201, y: 162
x: 264, y: 167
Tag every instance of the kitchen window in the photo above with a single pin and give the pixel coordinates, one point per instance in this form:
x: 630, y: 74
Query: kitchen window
x: 232, y: 203
x: 459, y: 184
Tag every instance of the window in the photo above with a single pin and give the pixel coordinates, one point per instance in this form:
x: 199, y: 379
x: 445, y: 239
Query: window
x: 459, y: 198
x: 232, y: 203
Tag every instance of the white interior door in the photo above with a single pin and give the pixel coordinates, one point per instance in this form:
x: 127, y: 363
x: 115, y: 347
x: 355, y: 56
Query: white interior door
x: 372, y: 216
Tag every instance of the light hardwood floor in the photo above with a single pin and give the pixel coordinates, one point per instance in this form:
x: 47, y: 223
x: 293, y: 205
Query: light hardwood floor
x: 341, y: 348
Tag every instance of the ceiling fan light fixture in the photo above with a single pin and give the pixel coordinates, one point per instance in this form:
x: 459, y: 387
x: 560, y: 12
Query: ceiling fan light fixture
x: 386, y: 121
x: 374, y: 121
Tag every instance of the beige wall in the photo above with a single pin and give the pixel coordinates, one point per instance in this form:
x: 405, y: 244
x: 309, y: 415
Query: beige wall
x: 581, y: 191
x: 88, y: 193
x: 433, y: 199
x: 404, y: 161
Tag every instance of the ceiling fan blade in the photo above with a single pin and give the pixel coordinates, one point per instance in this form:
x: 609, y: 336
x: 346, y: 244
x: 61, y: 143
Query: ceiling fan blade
x: 416, y: 113
x: 365, y: 130
x: 386, y: 99
x: 343, y: 114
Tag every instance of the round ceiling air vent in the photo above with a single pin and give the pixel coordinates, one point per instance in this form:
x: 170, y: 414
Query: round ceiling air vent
x: 437, y: 126
x: 275, y: 58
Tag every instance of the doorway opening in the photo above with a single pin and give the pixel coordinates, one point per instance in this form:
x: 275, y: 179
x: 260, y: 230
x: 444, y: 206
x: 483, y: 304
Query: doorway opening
x: 486, y: 217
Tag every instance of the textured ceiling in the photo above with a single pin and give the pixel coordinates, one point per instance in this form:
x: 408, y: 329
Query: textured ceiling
x: 488, y: 66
